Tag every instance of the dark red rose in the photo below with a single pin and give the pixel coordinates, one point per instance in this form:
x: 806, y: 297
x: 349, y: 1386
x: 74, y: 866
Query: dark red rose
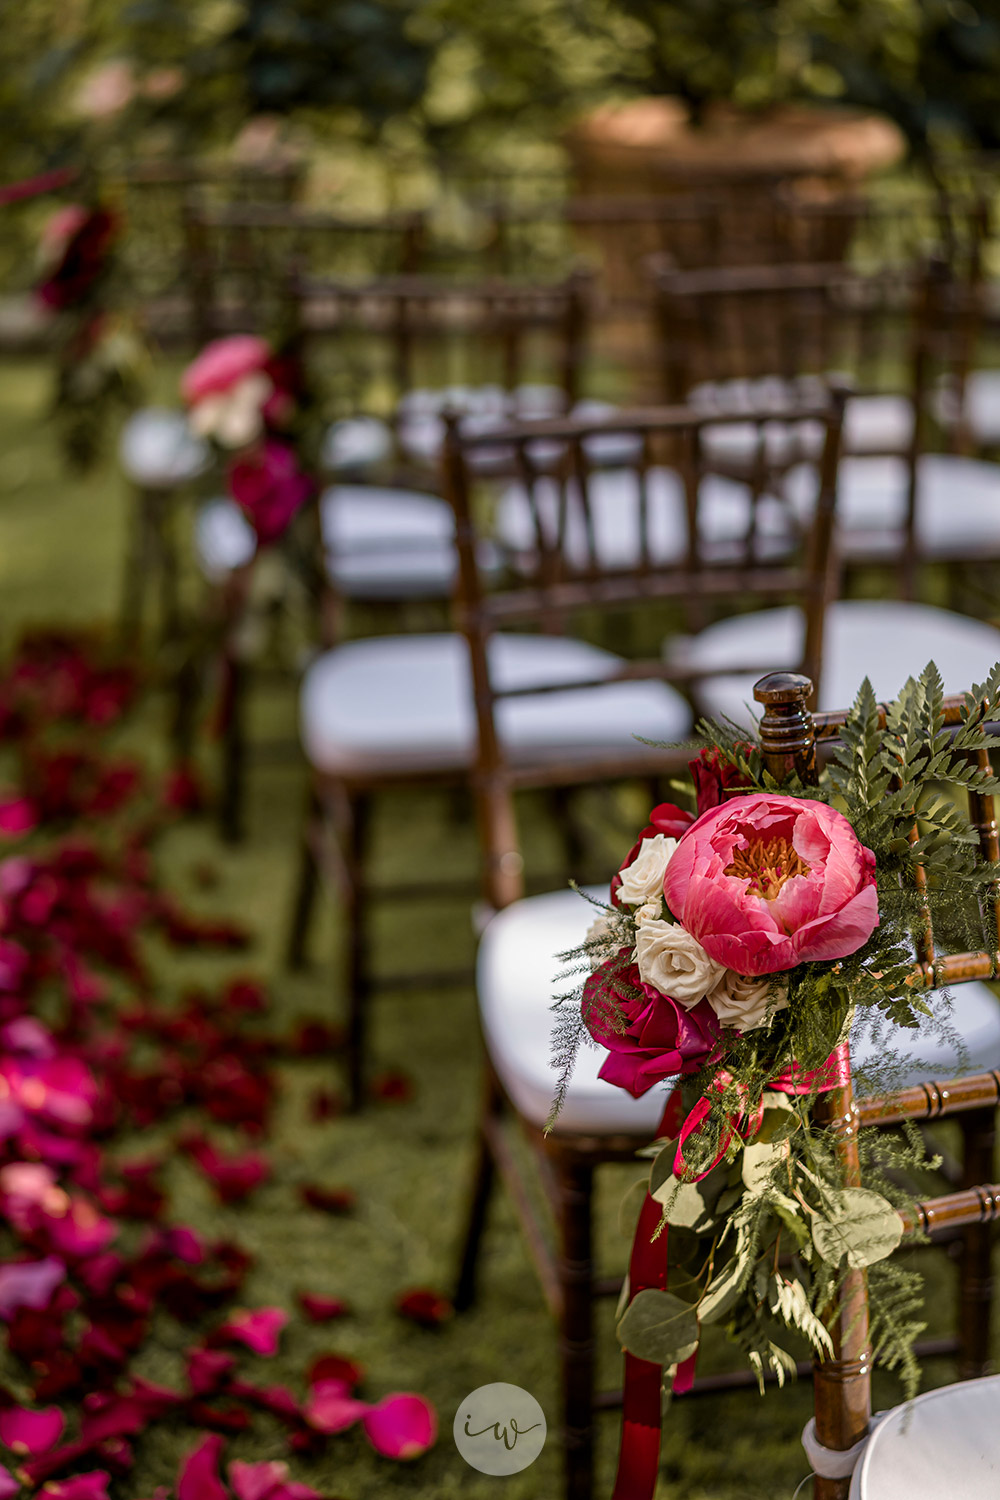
x: 667, y: 819
x: 661, y: 1039
x: 713, y: 772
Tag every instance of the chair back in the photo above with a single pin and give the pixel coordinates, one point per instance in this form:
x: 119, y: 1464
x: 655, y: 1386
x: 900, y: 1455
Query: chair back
x: 790, y: 740
x: 565, y: 575
x: 237, y: 252
x: 397, y: 335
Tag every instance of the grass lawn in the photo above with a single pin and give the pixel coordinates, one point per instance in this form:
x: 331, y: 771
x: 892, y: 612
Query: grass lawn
x: 61, y: 547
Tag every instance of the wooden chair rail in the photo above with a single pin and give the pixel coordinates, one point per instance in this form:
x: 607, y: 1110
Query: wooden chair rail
x: 931, y: 1101
x: 975, y: 1205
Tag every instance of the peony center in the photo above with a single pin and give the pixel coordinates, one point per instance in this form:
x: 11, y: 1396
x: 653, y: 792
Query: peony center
x: 766, y: 865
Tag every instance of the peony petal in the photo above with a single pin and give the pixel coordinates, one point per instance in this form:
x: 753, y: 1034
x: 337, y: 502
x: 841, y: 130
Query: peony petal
x: 401, y: 1426
x: 24, y: 1431
x: 198, y: 1478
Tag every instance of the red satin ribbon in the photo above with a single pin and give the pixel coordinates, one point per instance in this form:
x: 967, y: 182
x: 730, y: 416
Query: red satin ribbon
x: 639, y: 1453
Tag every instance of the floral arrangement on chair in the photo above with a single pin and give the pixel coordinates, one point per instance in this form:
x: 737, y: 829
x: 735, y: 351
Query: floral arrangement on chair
x: 250, y: 400
x: 740, y: 947
x: 98, y: 351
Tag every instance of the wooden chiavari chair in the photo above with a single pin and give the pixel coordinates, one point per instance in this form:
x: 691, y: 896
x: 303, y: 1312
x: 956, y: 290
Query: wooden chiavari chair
x: 401, y: 713
x: 790, y: 738
x: 727, y: 336
x: 518, y: 959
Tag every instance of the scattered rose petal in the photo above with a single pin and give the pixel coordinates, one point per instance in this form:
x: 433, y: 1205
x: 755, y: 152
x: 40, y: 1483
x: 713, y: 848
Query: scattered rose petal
x: 328, y: 1200
x: 9, y: 1486
x: 259, y: 1329
x: 198, y: 1478
x: 29, y: 1284
x: 322, y: 1309
x: 330, y: 1407
x: 401, y: 1426
x: 336, y: 1367
x: 24, y: 1431
x: 424, y: 1307
x: 93, y: 1486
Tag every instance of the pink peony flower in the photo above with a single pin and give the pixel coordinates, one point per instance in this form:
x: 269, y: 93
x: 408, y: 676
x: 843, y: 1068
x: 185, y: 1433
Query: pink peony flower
x: 768, y: 882
x: 222, y: 364
x: 401, y: 1426
x: 268, y: 485
x: 667, y: 819
x: 660, y: 1039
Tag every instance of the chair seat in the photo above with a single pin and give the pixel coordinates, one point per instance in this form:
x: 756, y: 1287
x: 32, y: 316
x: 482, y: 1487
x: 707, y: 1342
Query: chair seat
x: 388, y: 543
x: 381, y: 543
x: 957, y: 506
x: 980, y: 410
x: 397, y: 702
x: 158, y: 450
x: 485, y: 408
x: 355, y: 443
x: 942, y: 1443
x: 516, y: 973
x: 884, y: 640
x: 614, y: 503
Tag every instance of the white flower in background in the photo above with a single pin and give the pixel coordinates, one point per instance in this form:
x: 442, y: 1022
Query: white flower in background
x: 642, y: 881
x: 674, y: 962
x: 747, y: 1001
x: 234, y: 417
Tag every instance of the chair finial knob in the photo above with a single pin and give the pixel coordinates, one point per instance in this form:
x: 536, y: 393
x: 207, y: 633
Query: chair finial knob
x: 787, y: 739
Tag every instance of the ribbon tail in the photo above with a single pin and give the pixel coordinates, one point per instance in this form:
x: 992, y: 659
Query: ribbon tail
x: 639, y: 1454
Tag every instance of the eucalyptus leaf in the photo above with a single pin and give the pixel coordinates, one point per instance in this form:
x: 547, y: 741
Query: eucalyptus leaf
x: 856, y: 1223
x: 759, y: 1161
x: 630, y: 1208
x: 724, y: 1289
x: 684, y: 1204
x: 659, y: 1327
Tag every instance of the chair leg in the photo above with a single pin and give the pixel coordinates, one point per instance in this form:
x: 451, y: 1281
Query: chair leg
x: 560, y: 800
x: 354, y: 839
x: 233, y: 696
x: 976, y: 1283
x: 575, y: 1180
x: 166, y: 557
x: 306, y: 889
x: 483, y: 1182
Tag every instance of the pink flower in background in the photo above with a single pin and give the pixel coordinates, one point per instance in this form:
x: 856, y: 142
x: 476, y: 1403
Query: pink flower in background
x: 222, y: 364
x: 768, y: 882
x: 269, y: 487
x: 649, y: 1037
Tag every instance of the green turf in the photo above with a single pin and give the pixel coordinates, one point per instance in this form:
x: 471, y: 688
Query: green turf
x: 61, y: 543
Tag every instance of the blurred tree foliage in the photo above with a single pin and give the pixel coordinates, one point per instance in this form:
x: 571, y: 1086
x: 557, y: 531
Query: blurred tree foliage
x: 464, y: 75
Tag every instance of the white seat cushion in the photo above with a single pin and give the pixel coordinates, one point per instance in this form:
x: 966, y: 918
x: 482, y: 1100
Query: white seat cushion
x: 957, y: 508
x: 485, y: 408
x: 224, y: 540
x: 614, y: 511
x: 942, y: 1445
x: 158, y: 450
x: 981, y: 409
x: 381, y: 543
x: 394, y: 700
x: 388, y: 543
x: 355, y: 443
x: 516, y: 976
x: 883, y: 640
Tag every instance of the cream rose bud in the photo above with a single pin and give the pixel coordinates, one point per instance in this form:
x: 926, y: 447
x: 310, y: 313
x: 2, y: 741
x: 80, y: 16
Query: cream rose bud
x: 643, y: 879
x: 649, y: 911
x: 747, y: 1001
x: 675, y: 963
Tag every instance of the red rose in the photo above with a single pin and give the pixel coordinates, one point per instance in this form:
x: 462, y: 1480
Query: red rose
x: 661, y: 1039
x: 713, y: 772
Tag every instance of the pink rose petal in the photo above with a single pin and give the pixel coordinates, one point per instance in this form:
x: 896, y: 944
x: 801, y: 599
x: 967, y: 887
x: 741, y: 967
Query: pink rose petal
x: 9, y: 1486
x: 401, y: 1426
x: 29, y: 1284
x: 331, y: 1407
x: 199, y: 1474
x: 258, y: 1329
x: 24, y: 1431
x: 93, y: 1486
x: 18, y: 815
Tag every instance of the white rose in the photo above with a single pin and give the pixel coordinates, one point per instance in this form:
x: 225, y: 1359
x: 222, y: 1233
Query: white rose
x: 643, y: 880
x: 650, y: 911
x: 675, y: 963
x: 747, y: 1001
